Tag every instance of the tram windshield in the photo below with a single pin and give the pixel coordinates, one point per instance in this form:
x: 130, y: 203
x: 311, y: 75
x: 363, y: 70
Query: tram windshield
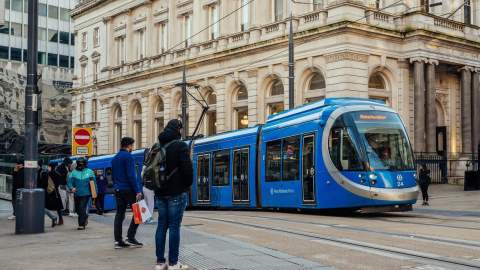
x: 376, y: 137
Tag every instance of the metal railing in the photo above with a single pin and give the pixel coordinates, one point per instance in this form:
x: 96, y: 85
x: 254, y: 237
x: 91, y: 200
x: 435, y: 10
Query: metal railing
x: 448, y: 166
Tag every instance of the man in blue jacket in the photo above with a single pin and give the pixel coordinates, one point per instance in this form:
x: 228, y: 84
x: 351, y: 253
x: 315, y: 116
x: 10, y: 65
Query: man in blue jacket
x: 128, y: 190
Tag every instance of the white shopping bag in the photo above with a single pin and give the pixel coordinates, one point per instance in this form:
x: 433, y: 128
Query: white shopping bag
x: 141, y: 214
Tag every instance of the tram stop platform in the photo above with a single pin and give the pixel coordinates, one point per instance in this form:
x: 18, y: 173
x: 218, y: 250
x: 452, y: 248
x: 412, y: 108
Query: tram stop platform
x: 63, y: 247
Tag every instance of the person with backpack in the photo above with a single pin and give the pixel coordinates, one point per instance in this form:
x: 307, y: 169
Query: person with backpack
x: 61, y: 176
x: 128, y: 190
x: 424, y: 181
x: 53, y: 202
x: 170, y: 168
x: 79, y: 183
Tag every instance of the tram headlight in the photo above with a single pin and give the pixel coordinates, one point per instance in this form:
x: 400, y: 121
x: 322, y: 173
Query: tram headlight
x: 372, y: 177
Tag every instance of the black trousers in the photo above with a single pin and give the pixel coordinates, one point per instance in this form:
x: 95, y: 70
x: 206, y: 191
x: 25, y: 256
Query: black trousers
x: 424, y: 189
x: 81, y: 203
x: 123, y: 199
x: 99, y: 202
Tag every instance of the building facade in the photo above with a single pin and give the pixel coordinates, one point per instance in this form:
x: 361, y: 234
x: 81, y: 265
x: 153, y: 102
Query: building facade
x: 421, y: 58
x: 55, y: 59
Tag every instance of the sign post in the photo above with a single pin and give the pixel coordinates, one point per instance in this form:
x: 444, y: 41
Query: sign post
x: 82, y: 142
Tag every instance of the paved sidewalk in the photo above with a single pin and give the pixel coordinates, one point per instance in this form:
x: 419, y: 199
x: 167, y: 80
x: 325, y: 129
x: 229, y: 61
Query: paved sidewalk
x: 65, y: 248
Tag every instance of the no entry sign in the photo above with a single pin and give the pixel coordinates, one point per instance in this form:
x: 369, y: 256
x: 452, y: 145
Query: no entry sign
x: 82, y: 142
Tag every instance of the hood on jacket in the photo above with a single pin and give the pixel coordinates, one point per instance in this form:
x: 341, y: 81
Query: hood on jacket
x: 171, y: 132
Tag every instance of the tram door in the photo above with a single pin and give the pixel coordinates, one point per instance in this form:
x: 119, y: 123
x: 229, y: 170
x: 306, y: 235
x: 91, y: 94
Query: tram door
x: 203, y: 178
x: 308, y: 180
x: 240, y: 175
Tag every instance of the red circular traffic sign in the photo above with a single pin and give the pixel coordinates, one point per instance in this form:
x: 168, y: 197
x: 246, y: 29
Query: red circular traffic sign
x: 82, y: 137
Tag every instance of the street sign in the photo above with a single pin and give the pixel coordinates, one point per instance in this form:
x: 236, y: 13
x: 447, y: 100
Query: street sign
x: 82, y: 142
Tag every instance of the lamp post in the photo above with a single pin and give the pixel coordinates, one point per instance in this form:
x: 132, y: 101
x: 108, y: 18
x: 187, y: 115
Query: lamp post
x: 291, y: 63
x: 30, y: 200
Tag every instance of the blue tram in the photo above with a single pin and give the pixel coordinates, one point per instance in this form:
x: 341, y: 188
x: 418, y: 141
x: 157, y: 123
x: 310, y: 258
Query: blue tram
x: 335, y: 153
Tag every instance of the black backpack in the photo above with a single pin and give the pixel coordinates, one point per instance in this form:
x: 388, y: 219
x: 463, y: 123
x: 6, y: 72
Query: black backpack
x: 154, y: 173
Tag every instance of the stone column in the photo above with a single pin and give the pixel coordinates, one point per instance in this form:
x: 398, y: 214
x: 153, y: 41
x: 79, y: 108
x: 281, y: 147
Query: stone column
x: 419, y: 103
x: 430, y: 113
x: 466, y: 107
x: 475, y: 110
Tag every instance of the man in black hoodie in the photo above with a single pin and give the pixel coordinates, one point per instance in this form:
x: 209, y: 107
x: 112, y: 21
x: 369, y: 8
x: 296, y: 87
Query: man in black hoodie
x: 172, y: 200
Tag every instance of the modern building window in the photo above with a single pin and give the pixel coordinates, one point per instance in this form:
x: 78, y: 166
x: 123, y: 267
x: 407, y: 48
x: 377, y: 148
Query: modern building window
x: 52, y: 35
x: 137, y: 124
x: 121, y: 50
x: 25, y: 56
x: 4, y: 29
x: 52, y: 59
x: 162, y: 37
x: 3, y: 52
x: 15, y: 54
x: 317, y: 4
x: 42, y: 9
x: 64, y: 37
x: 214, y: 14
x: 72, y: 39
x: 72, y: 62
x: 53, y: 12
x: 7, y: 4
x: 96, y: 37
x: 141, y: 44
x: 64, y: 14
x: 187, y: 28
x: 211, y: 127
x: 278, y: 10
x: 240, y: 107
x: 275, y: 98
x: 94, y: 110
x: 42, y: 33
x: 117, y: 127
x: 63, y: 61
x: 17, y: 5
x: 16, y: 29
x: 245, y: 15
x: 82, y: 112
x: 84, y: 40
x: 221, y: 168
x: 42, y: 58
x: 159, y: 117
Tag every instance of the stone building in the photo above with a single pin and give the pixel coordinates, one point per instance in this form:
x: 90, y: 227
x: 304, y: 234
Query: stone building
x: 55, y: 59
x: 420, y: 57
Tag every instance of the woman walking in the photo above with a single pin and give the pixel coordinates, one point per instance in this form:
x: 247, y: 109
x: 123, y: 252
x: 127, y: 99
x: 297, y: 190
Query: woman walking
x: 424, y: 181
x: 79, y: 184
x: 53, y: 201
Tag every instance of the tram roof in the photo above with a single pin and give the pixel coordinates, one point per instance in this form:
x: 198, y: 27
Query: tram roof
x: 320, y: 105
x: 228, y: 135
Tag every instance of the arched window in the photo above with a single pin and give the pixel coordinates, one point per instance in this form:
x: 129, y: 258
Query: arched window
x: 117, y: 127
x: 377, y: 89
x: 137, y: 124
x: 315, y: 87
x: 240, y: 107
x: 211, y: 123
x: 275, y: 98
x: 159, y: 120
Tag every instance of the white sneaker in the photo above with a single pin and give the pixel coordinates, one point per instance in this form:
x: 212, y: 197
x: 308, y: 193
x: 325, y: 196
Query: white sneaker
x: 12, y: 217
x: 73, y: 215
x: 161, y: 266
x: 178, y: 266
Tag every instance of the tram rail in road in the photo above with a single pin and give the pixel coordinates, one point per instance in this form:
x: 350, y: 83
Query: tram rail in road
x: 419, y: 257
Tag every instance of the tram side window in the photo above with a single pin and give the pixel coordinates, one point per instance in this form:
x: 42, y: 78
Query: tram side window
x: 342, y: 151
x: 290, y: 156
x: 274, y: 161
x: 108, y: 176
x: 221, y: 168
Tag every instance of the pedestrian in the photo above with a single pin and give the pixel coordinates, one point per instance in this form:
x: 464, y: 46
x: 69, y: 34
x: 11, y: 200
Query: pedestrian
x: 79, y: 184
x: 424, y: 181
x: 61, y: 176
x: 128, y: 190
x: 53, y: 203
x: 102, y: 188
x: 18, y: 183
x: 172, y: 198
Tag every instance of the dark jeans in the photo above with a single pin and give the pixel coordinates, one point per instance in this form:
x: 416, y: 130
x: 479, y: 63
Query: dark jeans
x: 124, y: 198
x: 424, y: 189
x: 81, y: 203
x: 170, y: 214
x: 14, y: 200
x: 99, y: 202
